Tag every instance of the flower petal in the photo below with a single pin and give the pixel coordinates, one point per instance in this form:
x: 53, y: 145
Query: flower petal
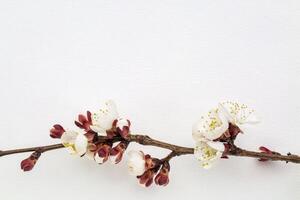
x: 238, y: 114
x: 210, y: 126
x: 81, y: 144
x: 136, y: 163
x: 103, y: 119
x: 206, y: 154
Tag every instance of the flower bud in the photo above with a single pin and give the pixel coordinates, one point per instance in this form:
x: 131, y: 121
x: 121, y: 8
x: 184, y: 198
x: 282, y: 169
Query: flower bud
x: 122, y: 126
x: 162, y: 178
x: 102, y: 153
x: 28, y: 163
x: 84, y: 122
x: 150, y: 162
x: 116, y: 153
x: 267, y: 151
x: 136, y: 163
x: 57, y: 131
x: 146, y: 178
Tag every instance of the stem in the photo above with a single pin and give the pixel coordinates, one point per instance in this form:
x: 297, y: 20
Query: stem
x: 273, y: 157
x: 41, y: 149
x: 175, y: 149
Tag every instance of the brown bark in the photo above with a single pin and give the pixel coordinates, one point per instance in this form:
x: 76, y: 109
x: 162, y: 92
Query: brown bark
x: 175, y: 149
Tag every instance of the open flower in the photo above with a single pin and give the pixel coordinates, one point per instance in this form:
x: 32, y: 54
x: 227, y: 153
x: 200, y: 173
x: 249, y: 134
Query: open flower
x: 76, y: 143
x: 210, y: 126
x: 208, y: 152
x: 238, y: 114
x: 136, y: 163
x: 104, y: 118
x: 28, y: 163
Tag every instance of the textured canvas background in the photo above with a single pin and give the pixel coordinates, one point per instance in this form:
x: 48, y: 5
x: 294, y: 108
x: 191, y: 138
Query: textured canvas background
x: 164, y: 63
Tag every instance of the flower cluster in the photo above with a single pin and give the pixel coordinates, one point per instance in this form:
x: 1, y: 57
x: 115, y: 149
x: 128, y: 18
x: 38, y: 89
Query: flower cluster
x: 86, y: 143
x: 105, y: 122
x: 216, y: 131
x: 147, y: 169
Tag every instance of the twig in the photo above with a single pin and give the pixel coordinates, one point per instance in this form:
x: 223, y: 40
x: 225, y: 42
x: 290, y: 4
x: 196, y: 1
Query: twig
x: 175, y: 149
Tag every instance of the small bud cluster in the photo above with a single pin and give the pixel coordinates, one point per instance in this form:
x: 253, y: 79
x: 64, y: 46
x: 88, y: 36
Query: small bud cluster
x: 148, y: 169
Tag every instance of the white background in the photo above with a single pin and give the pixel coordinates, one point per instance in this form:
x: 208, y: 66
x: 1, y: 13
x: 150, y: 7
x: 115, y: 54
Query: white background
x: 164, y: 63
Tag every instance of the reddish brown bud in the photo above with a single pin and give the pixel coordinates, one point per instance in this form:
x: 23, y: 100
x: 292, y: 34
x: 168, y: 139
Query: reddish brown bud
x: 162, y: 178
x: 28, y: 163
x: 111, y: 133
x: 123, y: 127
x: 150, y: 162
x: 102, y: 153
x: 147, y: 178
x: 117, y: 152
x: 124, y: 132
x: 84, y: 122
x: 57, y: 131
x: 264, y: 150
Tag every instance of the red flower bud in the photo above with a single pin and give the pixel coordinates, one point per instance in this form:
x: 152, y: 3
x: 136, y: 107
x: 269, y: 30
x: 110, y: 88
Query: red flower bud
x: 57, y: 131
x: 28, y: 163
x: 150, y: 162
x: 123, y: 127
x: 111, y: 133
x: 116, y: 153
x: 147, y: 177
x: 84, y: 122
x: 102, y: 153
x: 267, y: 151
x: 162, y: 178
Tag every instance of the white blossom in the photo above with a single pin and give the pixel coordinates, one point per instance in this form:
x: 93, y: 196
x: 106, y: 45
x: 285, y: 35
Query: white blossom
x: 238, y: 114
x: 210, y: 126
x: 136, y: 163
x: 103, y: 119
x: 208, y: 152
x: 76, y: 143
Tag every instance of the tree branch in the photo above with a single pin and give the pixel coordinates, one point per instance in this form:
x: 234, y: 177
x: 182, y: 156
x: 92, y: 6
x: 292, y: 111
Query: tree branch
x: 175, y: 149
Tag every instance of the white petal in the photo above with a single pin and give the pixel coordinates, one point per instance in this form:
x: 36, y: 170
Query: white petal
x: 210, y: 126
x: 98, y: 129
x: 238, y: 113
x: 103, y: 119
x: 121, y: 123
x: 223, y: 107
x: 81, y: 143
x: 136, y: 163
x: 216, y: 145
x: 206, y: 154
x: 69, y: 137
x: 89, y: 155
x: 98, y: 159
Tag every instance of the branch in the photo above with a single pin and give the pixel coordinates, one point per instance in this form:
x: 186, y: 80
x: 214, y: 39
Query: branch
x: 175, y: 149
